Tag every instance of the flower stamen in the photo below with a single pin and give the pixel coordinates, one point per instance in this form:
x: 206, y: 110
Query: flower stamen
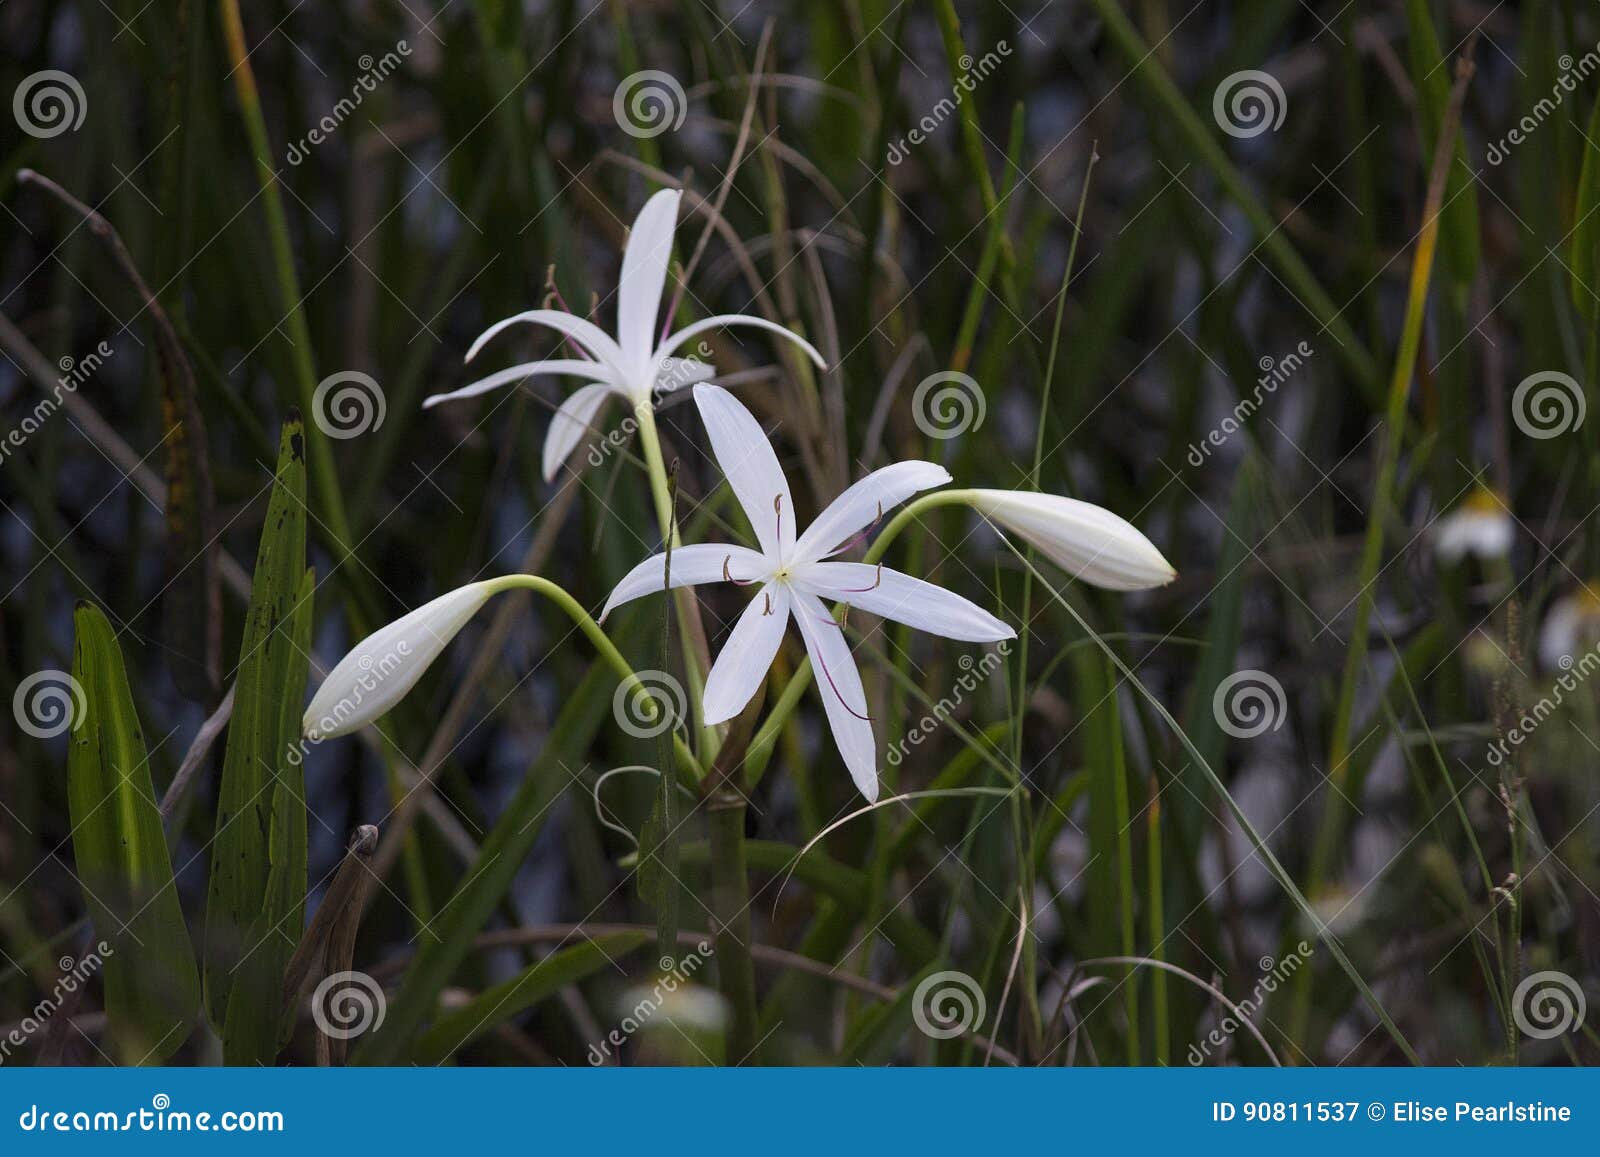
x: 728, y: 578
x: 877, y: 578
x: 829, y: 674
x: 859, y: 536
x: 553, y: 297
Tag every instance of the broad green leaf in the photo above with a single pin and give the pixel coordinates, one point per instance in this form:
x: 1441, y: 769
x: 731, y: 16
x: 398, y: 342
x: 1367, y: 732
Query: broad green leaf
x: 494, y: 1006
x: 151, y: 986
x: 256, y: 902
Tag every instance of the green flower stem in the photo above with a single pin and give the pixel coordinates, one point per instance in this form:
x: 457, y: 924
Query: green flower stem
x: 688, y: 613
x: 608, y: 652
x: 730, y: 899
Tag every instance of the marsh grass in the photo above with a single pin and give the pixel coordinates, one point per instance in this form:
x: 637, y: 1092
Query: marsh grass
x: 1087, y: 856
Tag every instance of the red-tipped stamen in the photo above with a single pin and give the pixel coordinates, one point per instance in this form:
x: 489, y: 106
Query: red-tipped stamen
x: 768, y: 596
x: 859, y: 536
x: 777, y: 508
x: 863, y: 590
x: 553, y: 296
x: 835, y: 686
x: 728, y: 578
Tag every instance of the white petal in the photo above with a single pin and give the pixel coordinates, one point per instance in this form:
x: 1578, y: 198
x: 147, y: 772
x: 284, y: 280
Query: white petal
x: 843, y: 698
x: 1484, y: 533
x: 1086, y: 541
x: 588, y: 335
x: 575, y: 366
x: 572, y: 420
x: 676, y: 373
x: 892, y: 595
x: 644, y: 273
x: 751, y: 467
x: 375, y: 676
x: 747, y: 655
x: 862, y: 503
x: 691, y: 566
x: 722, y: 319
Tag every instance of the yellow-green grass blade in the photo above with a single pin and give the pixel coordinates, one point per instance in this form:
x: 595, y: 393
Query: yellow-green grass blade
x: 152, y: 989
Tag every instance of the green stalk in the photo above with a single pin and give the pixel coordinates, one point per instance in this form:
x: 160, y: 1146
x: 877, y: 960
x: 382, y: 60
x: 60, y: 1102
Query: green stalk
x: 1157, y: 923
x: 730, y: 899
x: 608, y: 652
x: 1339, y: 752
x: 335, y: 525
x: 661, y: 493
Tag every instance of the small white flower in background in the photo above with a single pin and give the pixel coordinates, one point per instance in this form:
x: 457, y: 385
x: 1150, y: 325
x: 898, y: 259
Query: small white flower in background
x: 634, y: 363
x: 683, y: 1006
x: 379, y: 670
x: 1480, y: 526
x: 796, y: 579
x: 1570, y: 627
x: 1086, y: 541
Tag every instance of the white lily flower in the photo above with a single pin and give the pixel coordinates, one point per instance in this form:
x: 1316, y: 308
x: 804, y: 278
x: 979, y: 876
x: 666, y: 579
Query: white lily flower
x: 379, y: 670
x: 1480, y: 526
x: 1087, y: 541
x: 636, y: 364
x: 797, y: 579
